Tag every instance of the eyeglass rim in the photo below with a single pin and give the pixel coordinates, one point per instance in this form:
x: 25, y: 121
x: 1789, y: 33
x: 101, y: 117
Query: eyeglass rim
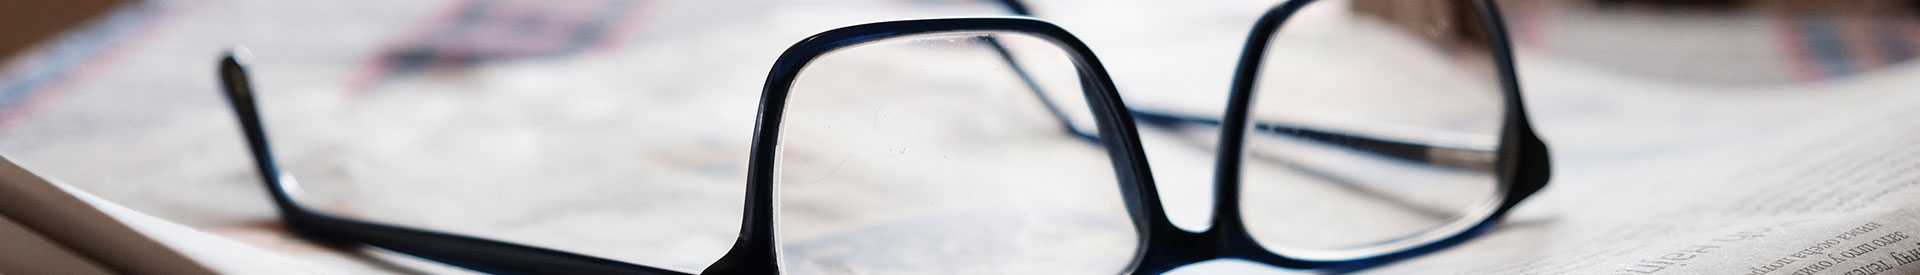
x: 755, y: 251
x: 1522, y: 167
x: 1522, y: 171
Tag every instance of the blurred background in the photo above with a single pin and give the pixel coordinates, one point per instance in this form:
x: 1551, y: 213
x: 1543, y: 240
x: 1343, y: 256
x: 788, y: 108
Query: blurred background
x: 659, y: 98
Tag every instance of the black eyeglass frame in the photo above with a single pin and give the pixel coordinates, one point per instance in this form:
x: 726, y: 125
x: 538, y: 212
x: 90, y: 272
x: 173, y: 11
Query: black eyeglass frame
x: 1522, y: 167
x: 755, y: 251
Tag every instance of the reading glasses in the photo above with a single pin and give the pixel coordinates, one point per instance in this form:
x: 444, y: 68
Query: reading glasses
x: 1415, y: 139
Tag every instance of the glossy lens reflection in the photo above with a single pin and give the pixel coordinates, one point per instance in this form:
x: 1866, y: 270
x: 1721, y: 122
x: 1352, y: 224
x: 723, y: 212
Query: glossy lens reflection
x: 1374, y: 129
x: 930, y: 154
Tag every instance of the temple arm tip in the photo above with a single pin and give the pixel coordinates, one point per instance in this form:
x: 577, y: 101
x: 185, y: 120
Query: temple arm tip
x: 233, y: 71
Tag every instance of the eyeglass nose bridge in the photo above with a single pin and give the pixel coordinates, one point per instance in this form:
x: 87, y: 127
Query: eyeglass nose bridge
x: 1169, y: 247
x: 755, y: 251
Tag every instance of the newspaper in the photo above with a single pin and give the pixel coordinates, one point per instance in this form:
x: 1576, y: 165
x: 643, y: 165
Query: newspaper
x: 1830, y: 192
x: 1650, y: 177
x: 53, y: 228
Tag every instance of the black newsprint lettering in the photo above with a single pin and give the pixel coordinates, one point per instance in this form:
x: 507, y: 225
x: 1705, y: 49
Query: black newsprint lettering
x: 1857, y: 231
x: 1851, y: 253
x: 1816, y: 249
x: 1905, y: 257
x: 1869, y: 247
x: 1770, y: 267
x: 1657, y: 264
x: 1872, y: 268
x: 1829, y: 245
x: 1814, y: 268
x: 1890, y: 239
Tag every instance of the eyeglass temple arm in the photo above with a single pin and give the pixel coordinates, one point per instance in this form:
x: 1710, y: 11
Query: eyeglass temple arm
x: 1445, y: 156
x: 1016, y: 7
x: 1461, y: 158
x: 1013, y: 63
x: 477, y: 254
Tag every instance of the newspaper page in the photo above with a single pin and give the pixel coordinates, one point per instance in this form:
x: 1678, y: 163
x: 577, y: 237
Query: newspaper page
x: 1833, y: 192
x: 637, y: 152
x: 63, y: 230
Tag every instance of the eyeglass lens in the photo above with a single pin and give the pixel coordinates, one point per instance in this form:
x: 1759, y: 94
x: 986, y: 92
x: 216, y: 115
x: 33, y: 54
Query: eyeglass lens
x: 930, y: 153
x: 1372, y: 125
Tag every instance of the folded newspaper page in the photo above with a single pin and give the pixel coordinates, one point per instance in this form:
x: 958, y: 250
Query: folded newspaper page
x: 52, y: 228
x: 636, y: 152
x: 1834, y: 193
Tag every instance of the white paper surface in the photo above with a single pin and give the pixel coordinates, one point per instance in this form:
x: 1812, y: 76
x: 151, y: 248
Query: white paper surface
x: 638, y: 154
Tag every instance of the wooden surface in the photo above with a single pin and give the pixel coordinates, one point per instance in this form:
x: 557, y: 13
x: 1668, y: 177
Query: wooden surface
x: 24, y: 23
